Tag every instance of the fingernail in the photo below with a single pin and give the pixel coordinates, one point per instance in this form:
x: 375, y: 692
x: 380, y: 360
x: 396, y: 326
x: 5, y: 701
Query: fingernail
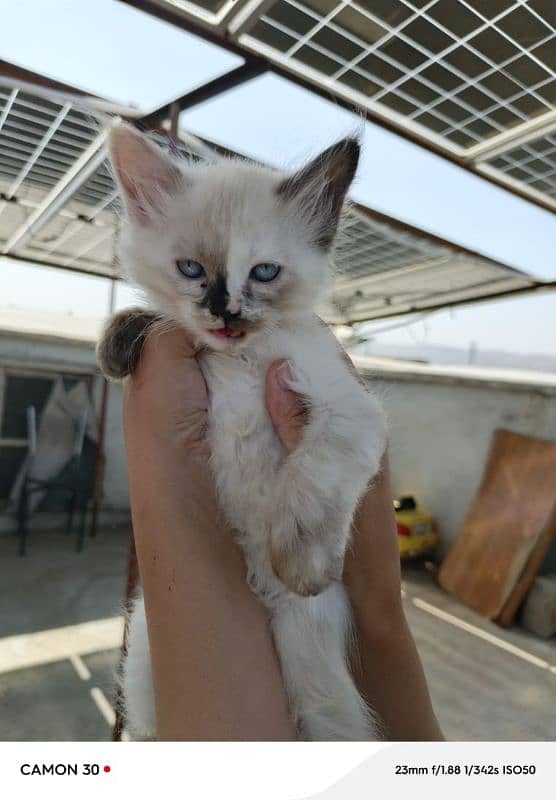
x: 284, y: 376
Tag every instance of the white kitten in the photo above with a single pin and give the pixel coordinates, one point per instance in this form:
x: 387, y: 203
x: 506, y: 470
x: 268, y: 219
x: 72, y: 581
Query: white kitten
x: 239, y: 256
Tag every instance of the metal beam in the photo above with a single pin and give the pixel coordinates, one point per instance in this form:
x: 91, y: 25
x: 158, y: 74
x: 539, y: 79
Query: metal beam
x: 173, y: 16
x: 22, y: 75
x: 88, y: 103
x: 45, y: 262
x: 507, y: 294
x: 514, y: 137
x: 417, y: 298
x: 215, y: 21
x: 8, y: 107
x: 244, y: 17
x: 245, y: 72
x: 230, y: 11
x: 191, y: 10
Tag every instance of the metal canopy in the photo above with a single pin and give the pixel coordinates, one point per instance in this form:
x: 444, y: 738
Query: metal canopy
x: 472, y: 79
x: 385, y: 269
x: 59, y: 207
x: 57, y: 197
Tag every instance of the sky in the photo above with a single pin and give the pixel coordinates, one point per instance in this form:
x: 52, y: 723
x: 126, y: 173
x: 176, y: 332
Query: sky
x: 113, y: 50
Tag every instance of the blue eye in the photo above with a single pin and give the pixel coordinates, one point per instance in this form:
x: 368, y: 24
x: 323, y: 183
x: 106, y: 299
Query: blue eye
x: 189, y: 268
x: 264, y: 272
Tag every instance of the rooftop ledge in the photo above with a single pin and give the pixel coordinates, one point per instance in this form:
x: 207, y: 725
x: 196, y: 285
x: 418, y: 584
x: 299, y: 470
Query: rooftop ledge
x: 48, y: 326
x: 512, y: 380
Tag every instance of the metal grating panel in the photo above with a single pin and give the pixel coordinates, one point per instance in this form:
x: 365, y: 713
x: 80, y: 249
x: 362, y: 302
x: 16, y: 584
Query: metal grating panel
x: 533, y: 164
x: 367, y: 248
x: 42, y: 140
x: 453, y: 66
x: 59, y: 206
x: 456, y: 72
x: 383, y: 271
x: 463, y: 76
x: 83, y: 232
x: 39, y: 140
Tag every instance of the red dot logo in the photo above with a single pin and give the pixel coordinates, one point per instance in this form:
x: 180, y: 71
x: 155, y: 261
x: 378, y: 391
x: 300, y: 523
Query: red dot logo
x: 107, y: 768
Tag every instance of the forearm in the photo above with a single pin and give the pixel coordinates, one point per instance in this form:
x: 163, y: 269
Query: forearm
x: 216, y: 676
x: 390, y: 676
x: 388, y: 670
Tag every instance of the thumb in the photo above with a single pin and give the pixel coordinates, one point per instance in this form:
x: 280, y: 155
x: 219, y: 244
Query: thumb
x: 287, y: 409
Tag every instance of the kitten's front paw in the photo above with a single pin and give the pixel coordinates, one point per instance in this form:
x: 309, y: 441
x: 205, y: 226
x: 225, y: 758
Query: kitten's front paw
x: 121, y: 343
x: 305, y: 565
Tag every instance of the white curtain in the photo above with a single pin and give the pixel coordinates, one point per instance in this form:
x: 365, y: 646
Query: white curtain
x: 57, y: 434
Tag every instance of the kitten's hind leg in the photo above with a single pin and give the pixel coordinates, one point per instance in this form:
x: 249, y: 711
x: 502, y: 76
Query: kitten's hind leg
x: 120, y: 345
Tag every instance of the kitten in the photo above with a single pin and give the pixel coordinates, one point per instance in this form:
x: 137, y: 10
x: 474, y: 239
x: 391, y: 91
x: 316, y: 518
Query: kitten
x: 239, y: 255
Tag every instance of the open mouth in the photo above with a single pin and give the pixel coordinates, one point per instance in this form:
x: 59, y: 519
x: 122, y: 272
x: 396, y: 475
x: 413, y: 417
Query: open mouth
x: 226, y: 333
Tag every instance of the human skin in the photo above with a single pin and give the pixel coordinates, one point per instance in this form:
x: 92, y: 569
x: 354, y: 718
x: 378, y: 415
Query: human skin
x: 215, y: 671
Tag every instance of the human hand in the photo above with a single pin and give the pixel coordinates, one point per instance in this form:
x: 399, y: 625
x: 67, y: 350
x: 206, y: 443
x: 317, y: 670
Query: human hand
x: 371, y: 565
x: 166, y: 414
x: 165, y: 407
x: 215, y: 671
x: 167, y: 400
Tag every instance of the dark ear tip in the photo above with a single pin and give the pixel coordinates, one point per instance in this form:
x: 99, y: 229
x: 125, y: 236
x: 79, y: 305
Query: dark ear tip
x: 352, y: 148
x: 353, y: 144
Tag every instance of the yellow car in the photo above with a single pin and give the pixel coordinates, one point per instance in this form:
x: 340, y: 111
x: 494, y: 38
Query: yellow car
x: 416, y: 529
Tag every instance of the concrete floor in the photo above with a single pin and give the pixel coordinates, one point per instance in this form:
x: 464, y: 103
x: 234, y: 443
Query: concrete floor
x: 74, y: 599
x: 480, y: 690
x: 56, y: 682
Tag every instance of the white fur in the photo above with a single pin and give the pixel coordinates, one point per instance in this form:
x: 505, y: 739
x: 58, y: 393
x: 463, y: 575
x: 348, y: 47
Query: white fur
x: 300, y: 504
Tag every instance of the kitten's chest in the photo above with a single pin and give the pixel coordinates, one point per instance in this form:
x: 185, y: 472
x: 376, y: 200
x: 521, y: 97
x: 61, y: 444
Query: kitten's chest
x: 246, y: 456
x: 236, y: 396
x: 245, y: 451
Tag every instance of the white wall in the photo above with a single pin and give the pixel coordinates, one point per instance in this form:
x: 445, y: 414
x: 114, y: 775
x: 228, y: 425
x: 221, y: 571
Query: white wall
x: 441, y: 422
x: 440, y: 432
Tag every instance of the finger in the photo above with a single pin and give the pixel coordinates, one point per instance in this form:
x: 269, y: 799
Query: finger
x: 167, y: 347
x: 287, y: 409
x: 172, y: 339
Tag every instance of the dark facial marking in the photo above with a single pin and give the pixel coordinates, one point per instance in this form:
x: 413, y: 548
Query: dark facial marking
x: 216, y: 299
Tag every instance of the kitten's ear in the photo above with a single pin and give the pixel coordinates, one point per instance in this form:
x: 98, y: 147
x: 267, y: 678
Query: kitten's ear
x: 320, y: 188
x: 146, y: 175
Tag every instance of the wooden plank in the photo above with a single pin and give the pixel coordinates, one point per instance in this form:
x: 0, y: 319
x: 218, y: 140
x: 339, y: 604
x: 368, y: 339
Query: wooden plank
x: 507, y: 529
x: 524, y: 584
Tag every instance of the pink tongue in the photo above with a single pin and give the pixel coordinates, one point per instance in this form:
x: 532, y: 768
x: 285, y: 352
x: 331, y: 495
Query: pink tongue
x: 226, y: 333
